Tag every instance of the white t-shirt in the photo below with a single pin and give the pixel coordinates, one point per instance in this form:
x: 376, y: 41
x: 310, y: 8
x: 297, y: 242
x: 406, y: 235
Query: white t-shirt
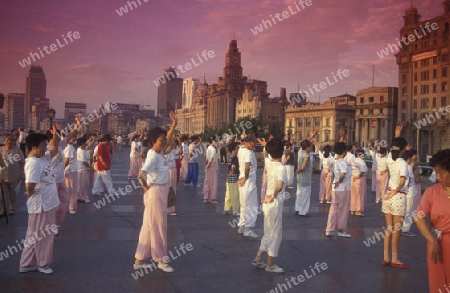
x: 170, y: 157
x: 185, y: 147
x: 45, y: 195
x: 275, y: 171
x: 326, y: 162
x: 133, y: 152
x: 57, y: 163
x: 71, y: 154
x: 195, y: 152
x: 119, y: 139
x: 211, y: 153
x: 156, y: 168
x: 381, y: 162
x: 398, y: 169
x: 359, y: 166
x: 83, y: 156
x: 341, y: 166
x: 176, y: 152
x: 245, y: 155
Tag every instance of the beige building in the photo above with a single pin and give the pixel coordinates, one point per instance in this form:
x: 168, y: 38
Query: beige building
x: 424, y: 78
x: 193, y: 119
x: 376, y: 114
x: 255, y: 103
x: 326, y: 118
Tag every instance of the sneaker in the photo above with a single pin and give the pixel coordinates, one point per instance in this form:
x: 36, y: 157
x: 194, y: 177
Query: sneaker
x: 236, y: 214
x: 360, y: 214
x: 198, y: 185
x: 28, y: 269
x: 305, y: 216
x: 329, y: 233
x: 72, y: 212
x: 409, y: 234
x: 344, y: 234
x: 241, y: 230
x: 213, y: 201
x: 321, y: 201
x: 328, y: 201
x: 143, y: 266
x: 187, y: 184
x: 377, y: 201
x: 274, y: 269
x: 173, y: 214
x: 206, y: 201
x: 250, y: 233
x: 165, y: 267
x: 46, y: 270
x: 259, y: 265
x: 87, y: 200
x: 226, y: 213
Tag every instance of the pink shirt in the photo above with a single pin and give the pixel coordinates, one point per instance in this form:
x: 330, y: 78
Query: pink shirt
x: 436, y: 205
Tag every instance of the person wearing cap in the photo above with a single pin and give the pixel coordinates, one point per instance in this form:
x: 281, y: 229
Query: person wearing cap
x: 359, y: 184
x: 103, y: 166
x: 248, y: 196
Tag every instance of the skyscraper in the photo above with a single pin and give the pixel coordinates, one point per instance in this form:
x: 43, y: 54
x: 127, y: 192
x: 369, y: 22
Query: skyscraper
x: 14, y: 109
x: 35, y: 94
x: 190, y: 85
x: 169, y: 91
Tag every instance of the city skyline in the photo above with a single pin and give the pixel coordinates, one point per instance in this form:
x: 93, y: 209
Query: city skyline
x: 116, y: 58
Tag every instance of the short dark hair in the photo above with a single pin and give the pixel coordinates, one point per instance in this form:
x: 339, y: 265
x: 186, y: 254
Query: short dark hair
x: 34, y: 140
x: 154, y: 133
x: 326, y: 151
x: 232, y: 146
x: 81, y: 141
x: 398, y: 145
x: 340, y: 148
x: 441, y: 159
x: 305, y: 144
x: 383, y: 151
x: 349, y: 147
x: 275, y: 148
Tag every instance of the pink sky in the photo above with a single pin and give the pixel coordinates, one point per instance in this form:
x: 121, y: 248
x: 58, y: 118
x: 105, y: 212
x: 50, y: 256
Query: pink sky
x: 118, y: 57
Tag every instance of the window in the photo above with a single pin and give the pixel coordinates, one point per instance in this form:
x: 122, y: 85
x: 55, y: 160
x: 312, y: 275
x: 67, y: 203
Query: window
x: 361, y: 100
x: 403, y: 78
x: 327, y: 122
x: 316, y: 121
x: 424, y: 89
x: 444, y: 72
x: 444, y: 86
x: 434, y: 87
x: 381, y: 98
x: 434, y: 102
x: 415, y: 90
x: 381, y: 111
x: 403, y: 117
x: 414, y: 116
x: 444, y: 58
x: 300, y: 122
x: 308, y: 122
x: 424, y: 103
x: 443, y: 101
x: 371, y: 99
x: 415, y: 76
x: 403, y: 91
x: 434, y: 73
x: 425, y: 75
x: 415, y: 64
x: 361, y: 111
x: 403, y: 104
x: 425, y: 62
x: 415, y: 104
x: 290, y: 123
x: 435, y: 58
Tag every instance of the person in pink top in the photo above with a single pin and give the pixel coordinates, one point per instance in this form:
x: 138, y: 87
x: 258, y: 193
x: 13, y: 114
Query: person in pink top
x: 435, y: 204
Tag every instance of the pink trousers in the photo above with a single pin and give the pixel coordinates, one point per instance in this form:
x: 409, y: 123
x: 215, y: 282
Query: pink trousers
x: 71, y: 180
x: 83, y: 184
x: 184, y: 167
x: 382, y: 184
x: 325, y: 184
x: 211, y: 183
x: 173, y: 184
x: 135, y: 166
x: 338, y: 214
x: 358, y: 194
x: 39, y: 239
x: 64, y: 200
x: 153, y: 236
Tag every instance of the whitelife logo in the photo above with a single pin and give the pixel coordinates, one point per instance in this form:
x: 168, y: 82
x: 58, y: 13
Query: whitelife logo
x: 37, y: 56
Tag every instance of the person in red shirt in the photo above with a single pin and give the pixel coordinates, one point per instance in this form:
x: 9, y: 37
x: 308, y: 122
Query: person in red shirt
x: 103, y: 165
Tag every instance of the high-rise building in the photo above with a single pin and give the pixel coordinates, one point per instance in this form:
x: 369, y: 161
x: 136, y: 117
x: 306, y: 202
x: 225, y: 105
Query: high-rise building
x: 193, y: 119
x: 190, y: 85
x: 35, y: 91
x: 14, y: 109
x: 72, y: 110
x: 376, y: 114
x: 169, y: 92
x: 424, y: 79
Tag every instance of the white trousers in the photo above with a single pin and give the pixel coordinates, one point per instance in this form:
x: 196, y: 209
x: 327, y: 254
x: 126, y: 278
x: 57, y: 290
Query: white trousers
x: 103, y: 177
x: 303, y: 199
x: 248, y: 199
x: 290, y: 175
x: 409, y: 215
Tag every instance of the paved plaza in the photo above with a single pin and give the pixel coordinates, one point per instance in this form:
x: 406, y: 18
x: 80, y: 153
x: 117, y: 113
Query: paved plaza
x: 95, y: 249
